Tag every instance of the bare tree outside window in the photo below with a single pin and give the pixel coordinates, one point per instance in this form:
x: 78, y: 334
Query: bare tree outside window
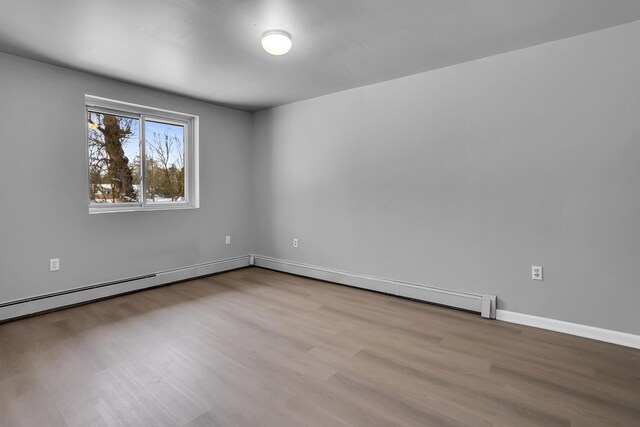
x: 114, y: 160
x: 164, y: 151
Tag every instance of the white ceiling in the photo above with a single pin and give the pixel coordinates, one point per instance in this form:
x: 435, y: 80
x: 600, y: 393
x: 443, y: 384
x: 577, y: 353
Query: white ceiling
x: 210, y: 49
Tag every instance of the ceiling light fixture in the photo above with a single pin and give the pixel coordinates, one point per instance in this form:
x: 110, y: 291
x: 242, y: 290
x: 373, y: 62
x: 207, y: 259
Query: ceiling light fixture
x: 276, y: 42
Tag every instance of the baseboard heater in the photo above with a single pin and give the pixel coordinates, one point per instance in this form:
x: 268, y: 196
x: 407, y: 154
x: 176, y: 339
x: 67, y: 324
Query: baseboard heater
x: 72, y: 291
x: 485, y: 305
x: 50, y: 301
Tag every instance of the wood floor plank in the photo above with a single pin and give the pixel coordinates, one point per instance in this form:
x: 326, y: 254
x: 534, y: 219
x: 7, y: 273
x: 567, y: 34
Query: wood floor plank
x: 254, y: 347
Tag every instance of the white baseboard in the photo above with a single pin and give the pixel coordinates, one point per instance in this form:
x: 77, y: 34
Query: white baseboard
x: 606, y: 335
x: 483, y: 304
x: 36, y: 304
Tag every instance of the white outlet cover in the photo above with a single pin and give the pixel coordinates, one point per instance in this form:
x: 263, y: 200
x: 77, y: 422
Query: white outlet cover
x: 295, y: 243
x: 54, y: 264
x: 536, y: 272
x: 227, y: 240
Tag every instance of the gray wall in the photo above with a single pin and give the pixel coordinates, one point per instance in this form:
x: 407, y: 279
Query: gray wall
x: 466, y: 176
x: 43, y: 187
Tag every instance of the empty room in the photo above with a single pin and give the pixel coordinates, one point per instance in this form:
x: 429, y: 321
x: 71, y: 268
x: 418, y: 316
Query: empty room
x: 320, y: 213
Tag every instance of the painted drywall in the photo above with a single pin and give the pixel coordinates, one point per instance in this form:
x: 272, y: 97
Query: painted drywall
x: 465, y: 177
x: 44, y: 193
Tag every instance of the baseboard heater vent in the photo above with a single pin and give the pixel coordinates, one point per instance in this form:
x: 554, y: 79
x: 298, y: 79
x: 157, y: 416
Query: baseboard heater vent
x: 54, y: 300
x: 485, y: 305
x: 74, y: 290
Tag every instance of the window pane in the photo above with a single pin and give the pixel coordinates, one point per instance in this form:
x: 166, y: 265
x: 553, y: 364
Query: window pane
x: 164, y: 152
x: 114, y: 158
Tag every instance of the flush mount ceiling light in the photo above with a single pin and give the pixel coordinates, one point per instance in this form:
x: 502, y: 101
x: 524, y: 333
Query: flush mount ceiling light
x: 276, y: 42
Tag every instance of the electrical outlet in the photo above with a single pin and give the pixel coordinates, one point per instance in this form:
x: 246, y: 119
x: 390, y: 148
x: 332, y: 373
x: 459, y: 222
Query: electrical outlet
x: 295, y: 243
x: 54, y: 264
x: 536, y: 272
x: 227, y: 240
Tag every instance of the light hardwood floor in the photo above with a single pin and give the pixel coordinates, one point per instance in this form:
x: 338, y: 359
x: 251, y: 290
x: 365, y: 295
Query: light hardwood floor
x: 257, y: 347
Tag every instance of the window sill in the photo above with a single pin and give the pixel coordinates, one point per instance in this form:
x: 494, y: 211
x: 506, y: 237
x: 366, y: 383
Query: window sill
x: 166, y: 207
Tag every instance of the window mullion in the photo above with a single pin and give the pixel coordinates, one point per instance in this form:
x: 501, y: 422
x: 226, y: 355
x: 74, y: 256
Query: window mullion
x: 143, y: 162
x: 185, y: 153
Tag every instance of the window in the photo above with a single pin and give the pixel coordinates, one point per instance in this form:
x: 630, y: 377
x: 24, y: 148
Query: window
x: 140, y: 158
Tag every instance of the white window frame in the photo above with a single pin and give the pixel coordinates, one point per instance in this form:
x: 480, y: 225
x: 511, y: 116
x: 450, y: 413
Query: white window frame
x: 144, y: 113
